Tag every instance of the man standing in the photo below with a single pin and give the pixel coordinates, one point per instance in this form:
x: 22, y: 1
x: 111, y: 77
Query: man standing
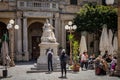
x: 63, y: 62
x: 49, y: 57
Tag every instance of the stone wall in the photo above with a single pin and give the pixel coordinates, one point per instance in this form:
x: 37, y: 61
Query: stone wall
x: 118, y: 59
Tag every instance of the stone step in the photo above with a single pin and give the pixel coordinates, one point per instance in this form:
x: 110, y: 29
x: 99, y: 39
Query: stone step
x: 45, y: 66
x: 37, y: 71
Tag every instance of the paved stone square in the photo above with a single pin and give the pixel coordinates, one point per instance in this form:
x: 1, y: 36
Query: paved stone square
x: 19, y: 72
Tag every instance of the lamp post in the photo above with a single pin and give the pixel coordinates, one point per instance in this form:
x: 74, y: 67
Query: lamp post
x: 70, y: 27
x: 11, y: 27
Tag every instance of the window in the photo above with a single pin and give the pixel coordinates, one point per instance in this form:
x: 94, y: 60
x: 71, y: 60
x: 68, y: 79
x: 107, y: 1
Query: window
x: 54, y: 5
x: 22, y: 4
x: 73, y: 2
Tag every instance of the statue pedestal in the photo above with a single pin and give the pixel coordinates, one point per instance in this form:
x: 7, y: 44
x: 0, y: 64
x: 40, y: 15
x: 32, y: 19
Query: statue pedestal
x: 42, y: 60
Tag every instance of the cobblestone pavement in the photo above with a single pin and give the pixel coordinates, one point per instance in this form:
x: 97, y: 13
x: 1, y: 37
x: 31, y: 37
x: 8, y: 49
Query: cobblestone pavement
x: 19, y: 72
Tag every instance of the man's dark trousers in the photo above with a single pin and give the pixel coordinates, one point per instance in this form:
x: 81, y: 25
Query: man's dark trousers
x: 50, y: 67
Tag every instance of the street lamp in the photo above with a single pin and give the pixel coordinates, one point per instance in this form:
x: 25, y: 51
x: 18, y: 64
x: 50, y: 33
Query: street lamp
x: 70, y: 27
x: 11, y: 27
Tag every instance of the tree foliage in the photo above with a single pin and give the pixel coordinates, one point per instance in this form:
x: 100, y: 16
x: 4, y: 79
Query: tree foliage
x: 92, y: 17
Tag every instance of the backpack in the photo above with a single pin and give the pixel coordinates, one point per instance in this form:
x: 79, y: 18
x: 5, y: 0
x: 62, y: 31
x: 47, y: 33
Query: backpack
x: 49, y: 55
x: 63, y: 58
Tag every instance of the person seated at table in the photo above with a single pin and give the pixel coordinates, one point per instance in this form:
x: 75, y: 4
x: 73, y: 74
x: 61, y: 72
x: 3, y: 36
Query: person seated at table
x: 101, y: 66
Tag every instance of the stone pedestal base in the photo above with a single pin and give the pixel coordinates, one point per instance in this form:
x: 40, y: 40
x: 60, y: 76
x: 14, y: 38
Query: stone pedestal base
x: 43, y: 64
x: 42, y: 60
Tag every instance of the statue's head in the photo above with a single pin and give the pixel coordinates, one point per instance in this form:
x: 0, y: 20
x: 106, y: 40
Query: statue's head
x: 47, y: 21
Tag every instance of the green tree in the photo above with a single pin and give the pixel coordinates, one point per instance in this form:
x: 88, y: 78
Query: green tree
x: 91, y: 18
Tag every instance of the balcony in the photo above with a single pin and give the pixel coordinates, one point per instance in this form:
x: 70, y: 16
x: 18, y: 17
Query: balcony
x: 37, y: 5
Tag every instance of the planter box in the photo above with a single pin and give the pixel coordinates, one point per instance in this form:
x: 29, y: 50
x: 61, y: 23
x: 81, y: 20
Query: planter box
x: 76, y: 67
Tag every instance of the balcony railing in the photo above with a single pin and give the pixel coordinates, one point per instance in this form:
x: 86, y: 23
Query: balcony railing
x: 37, y: 5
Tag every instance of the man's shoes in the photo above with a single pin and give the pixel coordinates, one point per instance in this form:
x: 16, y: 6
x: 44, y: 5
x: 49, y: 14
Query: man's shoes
x: 61, y: 77
x: 48, y: 72
x: 65, y: 77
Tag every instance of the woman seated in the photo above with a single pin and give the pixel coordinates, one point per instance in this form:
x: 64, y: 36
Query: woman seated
x: 101, y: 66
x: 113, y: 65
x: 91, y: 61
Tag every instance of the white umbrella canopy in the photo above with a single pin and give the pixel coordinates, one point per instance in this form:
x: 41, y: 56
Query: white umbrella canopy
x: 101, y: 41
x: 104, y: 41
x: 83, y: 45
x: 110, y: 36
x: 5, y: 52
x: 115, y: 44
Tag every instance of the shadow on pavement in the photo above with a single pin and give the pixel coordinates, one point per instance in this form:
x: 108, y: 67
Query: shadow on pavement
x: 1, y: 77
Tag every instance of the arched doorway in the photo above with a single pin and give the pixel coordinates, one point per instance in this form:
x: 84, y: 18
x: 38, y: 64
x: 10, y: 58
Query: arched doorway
x: 3, y: 30
x: 34, y: 39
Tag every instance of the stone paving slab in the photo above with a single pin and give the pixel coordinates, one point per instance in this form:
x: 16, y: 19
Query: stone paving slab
x: 19, y: 72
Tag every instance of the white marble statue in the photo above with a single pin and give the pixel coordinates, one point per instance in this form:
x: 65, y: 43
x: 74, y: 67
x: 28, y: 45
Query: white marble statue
x: 48, y: 34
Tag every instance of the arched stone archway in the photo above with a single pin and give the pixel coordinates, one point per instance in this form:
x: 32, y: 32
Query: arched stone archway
x: 34, y: 38
x: 3, y: 29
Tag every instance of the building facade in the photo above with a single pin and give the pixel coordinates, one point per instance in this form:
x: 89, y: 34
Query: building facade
x: 118, y: 59
x: 31, y: 15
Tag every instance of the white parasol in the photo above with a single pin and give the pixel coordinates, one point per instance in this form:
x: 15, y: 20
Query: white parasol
x: 83, y: 45
x: 104, y: 41
x: 115, y: 44
x: 110, y: 36
x: 4, y: 51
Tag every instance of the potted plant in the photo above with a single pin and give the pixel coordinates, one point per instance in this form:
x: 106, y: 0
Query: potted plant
x: 76, y: 64
x: 71, y: 39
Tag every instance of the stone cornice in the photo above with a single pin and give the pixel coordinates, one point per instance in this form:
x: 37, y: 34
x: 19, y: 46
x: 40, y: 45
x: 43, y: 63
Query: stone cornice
x: 37, y: 14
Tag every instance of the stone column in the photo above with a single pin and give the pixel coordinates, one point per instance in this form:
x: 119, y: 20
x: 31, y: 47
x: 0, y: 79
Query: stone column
x: 18, y: 41
x: 56, y: 28
x: 63, y: 32
x: 25, y: 39
x: 12, y: 46
x: 118, y: 59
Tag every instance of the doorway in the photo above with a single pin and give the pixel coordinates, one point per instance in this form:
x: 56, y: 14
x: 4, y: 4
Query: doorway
x: 34, y: 35
x: 35, y: 46
x: 3, y: 30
